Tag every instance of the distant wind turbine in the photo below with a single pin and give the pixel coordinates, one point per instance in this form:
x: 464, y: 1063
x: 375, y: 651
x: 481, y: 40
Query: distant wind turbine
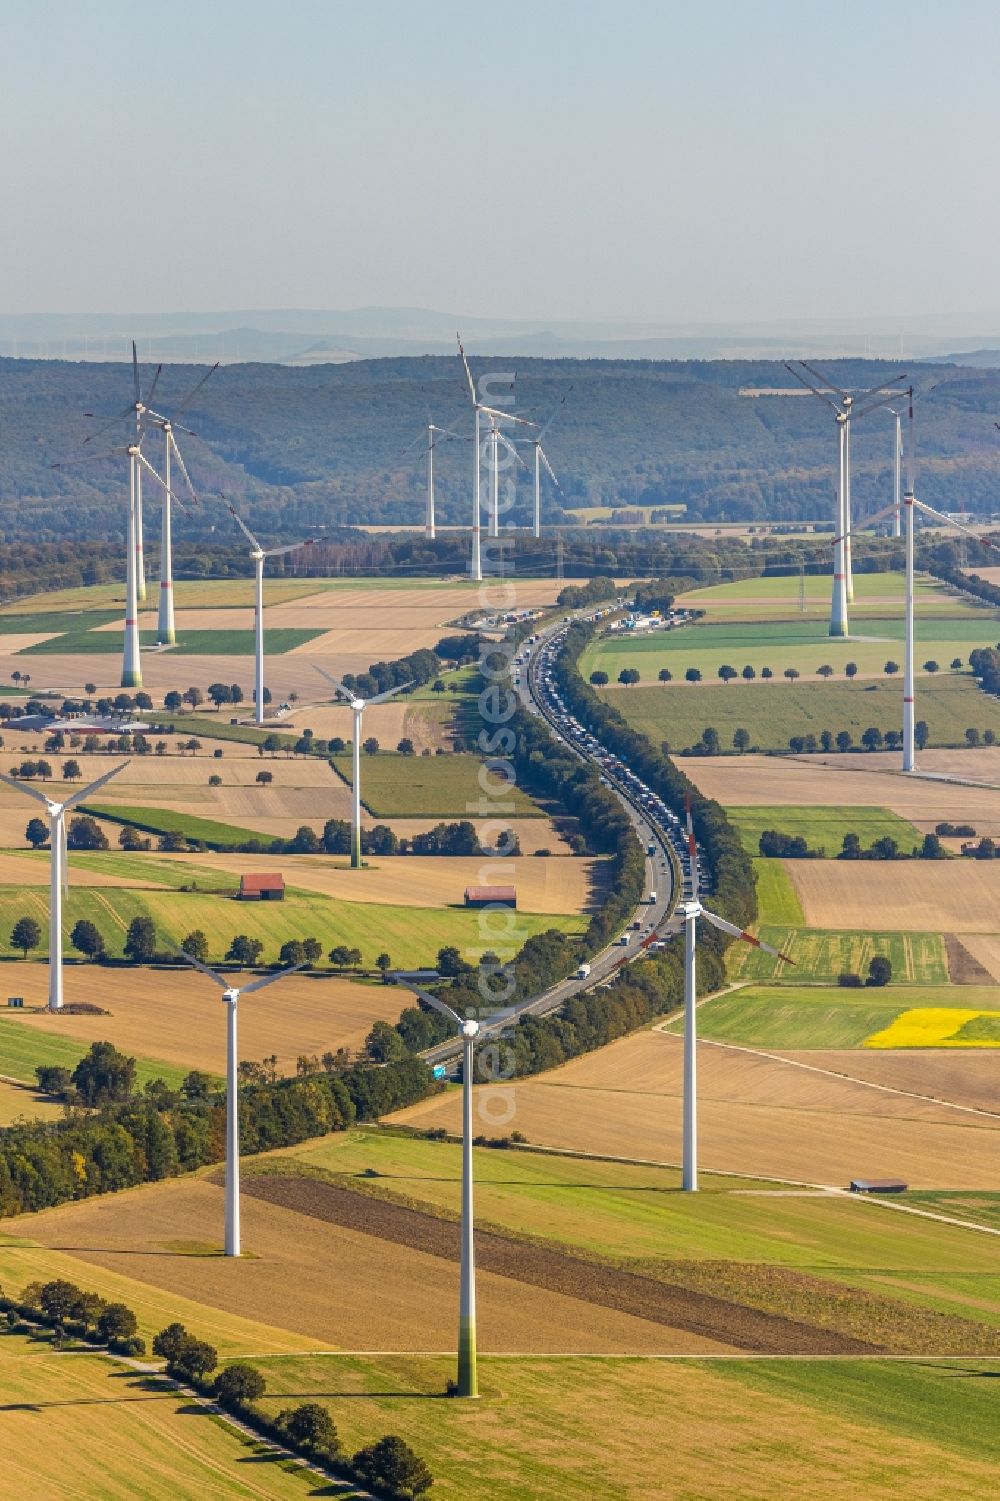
x: 231, y: 995
x: 260, y: 556
x: 358, y: 705
x: 478, y: 410
x: 58, y: 867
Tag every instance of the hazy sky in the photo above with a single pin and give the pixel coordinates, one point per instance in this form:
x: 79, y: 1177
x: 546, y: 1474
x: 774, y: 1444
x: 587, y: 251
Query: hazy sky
x: 711, y: 159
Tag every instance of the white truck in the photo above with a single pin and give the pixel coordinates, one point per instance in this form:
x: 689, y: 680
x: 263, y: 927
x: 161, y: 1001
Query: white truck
x: 583, y: 972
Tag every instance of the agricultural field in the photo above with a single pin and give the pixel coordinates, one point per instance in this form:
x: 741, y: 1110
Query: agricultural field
x: 773, y: 712
x: 436, y: 786
x: 823, y: 828
x: 120, y: 1432
x: 950, y: 896
x: 17, y: 1101
x: 878, y: 594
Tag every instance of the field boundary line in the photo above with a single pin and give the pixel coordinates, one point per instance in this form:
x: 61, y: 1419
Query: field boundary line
x: 831, y: 1073
x: 486, y: 1355
x: 926, y: 1214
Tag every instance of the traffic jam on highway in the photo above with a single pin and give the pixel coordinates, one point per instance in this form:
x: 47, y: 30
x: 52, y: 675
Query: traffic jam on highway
x: 656, y: 823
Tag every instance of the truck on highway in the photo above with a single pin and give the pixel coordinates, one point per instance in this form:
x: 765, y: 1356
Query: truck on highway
x: 583, y: 972
x: 650, y: 849
x: 651, y: 898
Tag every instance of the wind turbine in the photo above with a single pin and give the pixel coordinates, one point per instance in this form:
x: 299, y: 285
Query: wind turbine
x: 231, y: 995
x: 541, y: 458
x: 909, y: 504
x: 260, y: 556
x: 470, y: 1031
x: 59, y: 867
x: 165, y: 631
x: 443, y: 435
x: 843, y: 406
x: 137, y: 462
x: 691, y: 911
x: 478, y: 409
x: 358, y: 705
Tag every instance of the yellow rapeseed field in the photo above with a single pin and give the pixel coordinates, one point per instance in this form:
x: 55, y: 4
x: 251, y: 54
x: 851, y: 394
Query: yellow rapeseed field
x: 930, y: 1027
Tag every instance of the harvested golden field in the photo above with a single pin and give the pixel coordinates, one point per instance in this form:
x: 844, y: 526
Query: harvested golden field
x: 758, y: 1116
x: 919, y: 896
x: 985, y: 949
x: 533, y: 834
x: 16, y: 1100
x: 30, y: 869
x: 178, y: 1016
x: 548, y: 886
x: 423, y: 721
x: 812, y: 781
x: 374, y: 1295
x: 966, y: 1078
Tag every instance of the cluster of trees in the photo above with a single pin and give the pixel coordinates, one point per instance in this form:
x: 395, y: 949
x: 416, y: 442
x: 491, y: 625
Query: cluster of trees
x: 773, y: 842
x: 388, y: 1468
x: 162, y: 1132
x: 879, y: 973
x: 73, y: 1313
x: 886, y: 848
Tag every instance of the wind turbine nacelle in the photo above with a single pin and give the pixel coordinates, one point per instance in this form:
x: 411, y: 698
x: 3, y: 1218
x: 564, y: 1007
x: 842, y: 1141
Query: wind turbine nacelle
x: 470, y: 1027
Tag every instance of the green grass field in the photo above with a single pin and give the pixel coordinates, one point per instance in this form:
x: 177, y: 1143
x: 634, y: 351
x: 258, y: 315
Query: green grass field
x: 168, y: 821
x: 189, y: 643
x: 773, y: 712
x: 822, y: 828
x: 23, y: 1049
x: 776, y: 598
x: 777, y: 899
x: 823, y: 954
x: 121, y: 1433
x: 411, y: 936
x: 395, y: 786
x: 63, y: 621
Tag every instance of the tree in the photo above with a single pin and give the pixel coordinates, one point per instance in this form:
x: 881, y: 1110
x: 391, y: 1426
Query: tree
x: 851, y: 670
x: 890, y: 668
x: 598, y: 679
x: 931, y: 666
x: 710, y: 741
x: 741, y: 740
x: 797, y: 744
x: 244, y: 950
x: 25, y: 935
x: 727, y: 673
x: 665, y: 675
x: 450, y: 962
x: 884, y: 848
x: 405, y: 747
x: 851, y: 849
x: 36, y: 833
x: 305, y: 841
x: 193, y: 697
x: 826, y: 671
x: 117, y: 1321
x: 312, y: 950
x: 265, y: 778
x: 748, y: 674
x: 215, y: 780
x: 392, y: 1463
x: 220, y: 693
x: 766, y: 672
x: 921, y: 734
x: 826, y: 740
x: 871, y: 739
x: 932, y: 848
x: 131, y: 839
x: 194, y: 1359
x: 972, y: 737
x: 310, y: 1428
x: 628, y: 676
x: 370, y: 746
x: 196, y: 944
x: 692, y: 675
x: 238, y: 1384
x: 168, y: 1342
x: 104, y: 1074
x: 87, y: 938
x: 893, y: 739
x: 291, y: 953
x: 384, y: 1044
x: 438, y: 686
x: 844, y: 740
x: 879, y: 970
x: 340, y: 956
x: 59, y: 1299
x: 384, y: 964
x: 172, y: 701
x: 85, y: 833
x: 71, y: 771
x: 172, y: 842
x: 957, y: 664
x: 791, y: 673
x: 140, y: 941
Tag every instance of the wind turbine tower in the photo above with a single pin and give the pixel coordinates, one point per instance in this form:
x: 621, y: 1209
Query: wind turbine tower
x: 260, y: 556
x: 358, y: 706
x: 58, y: 868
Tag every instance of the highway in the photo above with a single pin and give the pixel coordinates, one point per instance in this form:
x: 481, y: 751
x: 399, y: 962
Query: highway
x: 656, y: 827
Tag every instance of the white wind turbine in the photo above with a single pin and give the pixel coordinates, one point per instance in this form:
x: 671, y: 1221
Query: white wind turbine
x: 137, y: 462
x: 136, y: 408
x: 691, y: 911
x: 435, y: 435
x: 470, y: 1031
x: 478, y: 409
x: 843, y: 405
x: 260, y: 556
x: 541, y: 458
x: 231, y: 995
x: 58, y: 867
x: 165, y: 631
x: 909, y: 504
x: 358, y: 705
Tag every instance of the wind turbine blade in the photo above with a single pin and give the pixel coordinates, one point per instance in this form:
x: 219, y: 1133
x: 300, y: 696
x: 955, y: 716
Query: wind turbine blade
x: 64, y: 855
x: 911, y: 446
x: 156, y: 377
x: 510, y: 448
x: 380, y: 698
x: 280, y: 974
x: 111, y: 422
x: 508, y: 416
x: 555, y: 413
x: 814, y: 389
x: 278, y: 552
x: 431, y: 1000
x: 24, y: 787
x: 881, y: 388
x: 886, y: 511
x: 245, y: 529
x: 344, y: 693
x: 135, y: 376
x: 78, y: 797
x: 552, y: 473
x: 468, y: 372
x: 212, y: 974
x: 92, y: 458
x: 183, y: 468
x: 728, y: 927
x: 824, y: 380
x: 692, y: 850
x: 158, y: 477
x: 195, y: 389
x: 881, y: 401
x: 939, y: 516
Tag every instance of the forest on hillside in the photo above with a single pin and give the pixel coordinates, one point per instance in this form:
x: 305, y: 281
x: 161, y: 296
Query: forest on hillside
x: 303, y: 450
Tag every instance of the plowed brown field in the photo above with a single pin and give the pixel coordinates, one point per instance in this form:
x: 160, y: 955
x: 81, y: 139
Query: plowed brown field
x: 350, y: 1289
x: 757, y: 1116
x: 967, y: 1079
x: 985, y: 949
x: 176, y: 1015
x: 918, y: 896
